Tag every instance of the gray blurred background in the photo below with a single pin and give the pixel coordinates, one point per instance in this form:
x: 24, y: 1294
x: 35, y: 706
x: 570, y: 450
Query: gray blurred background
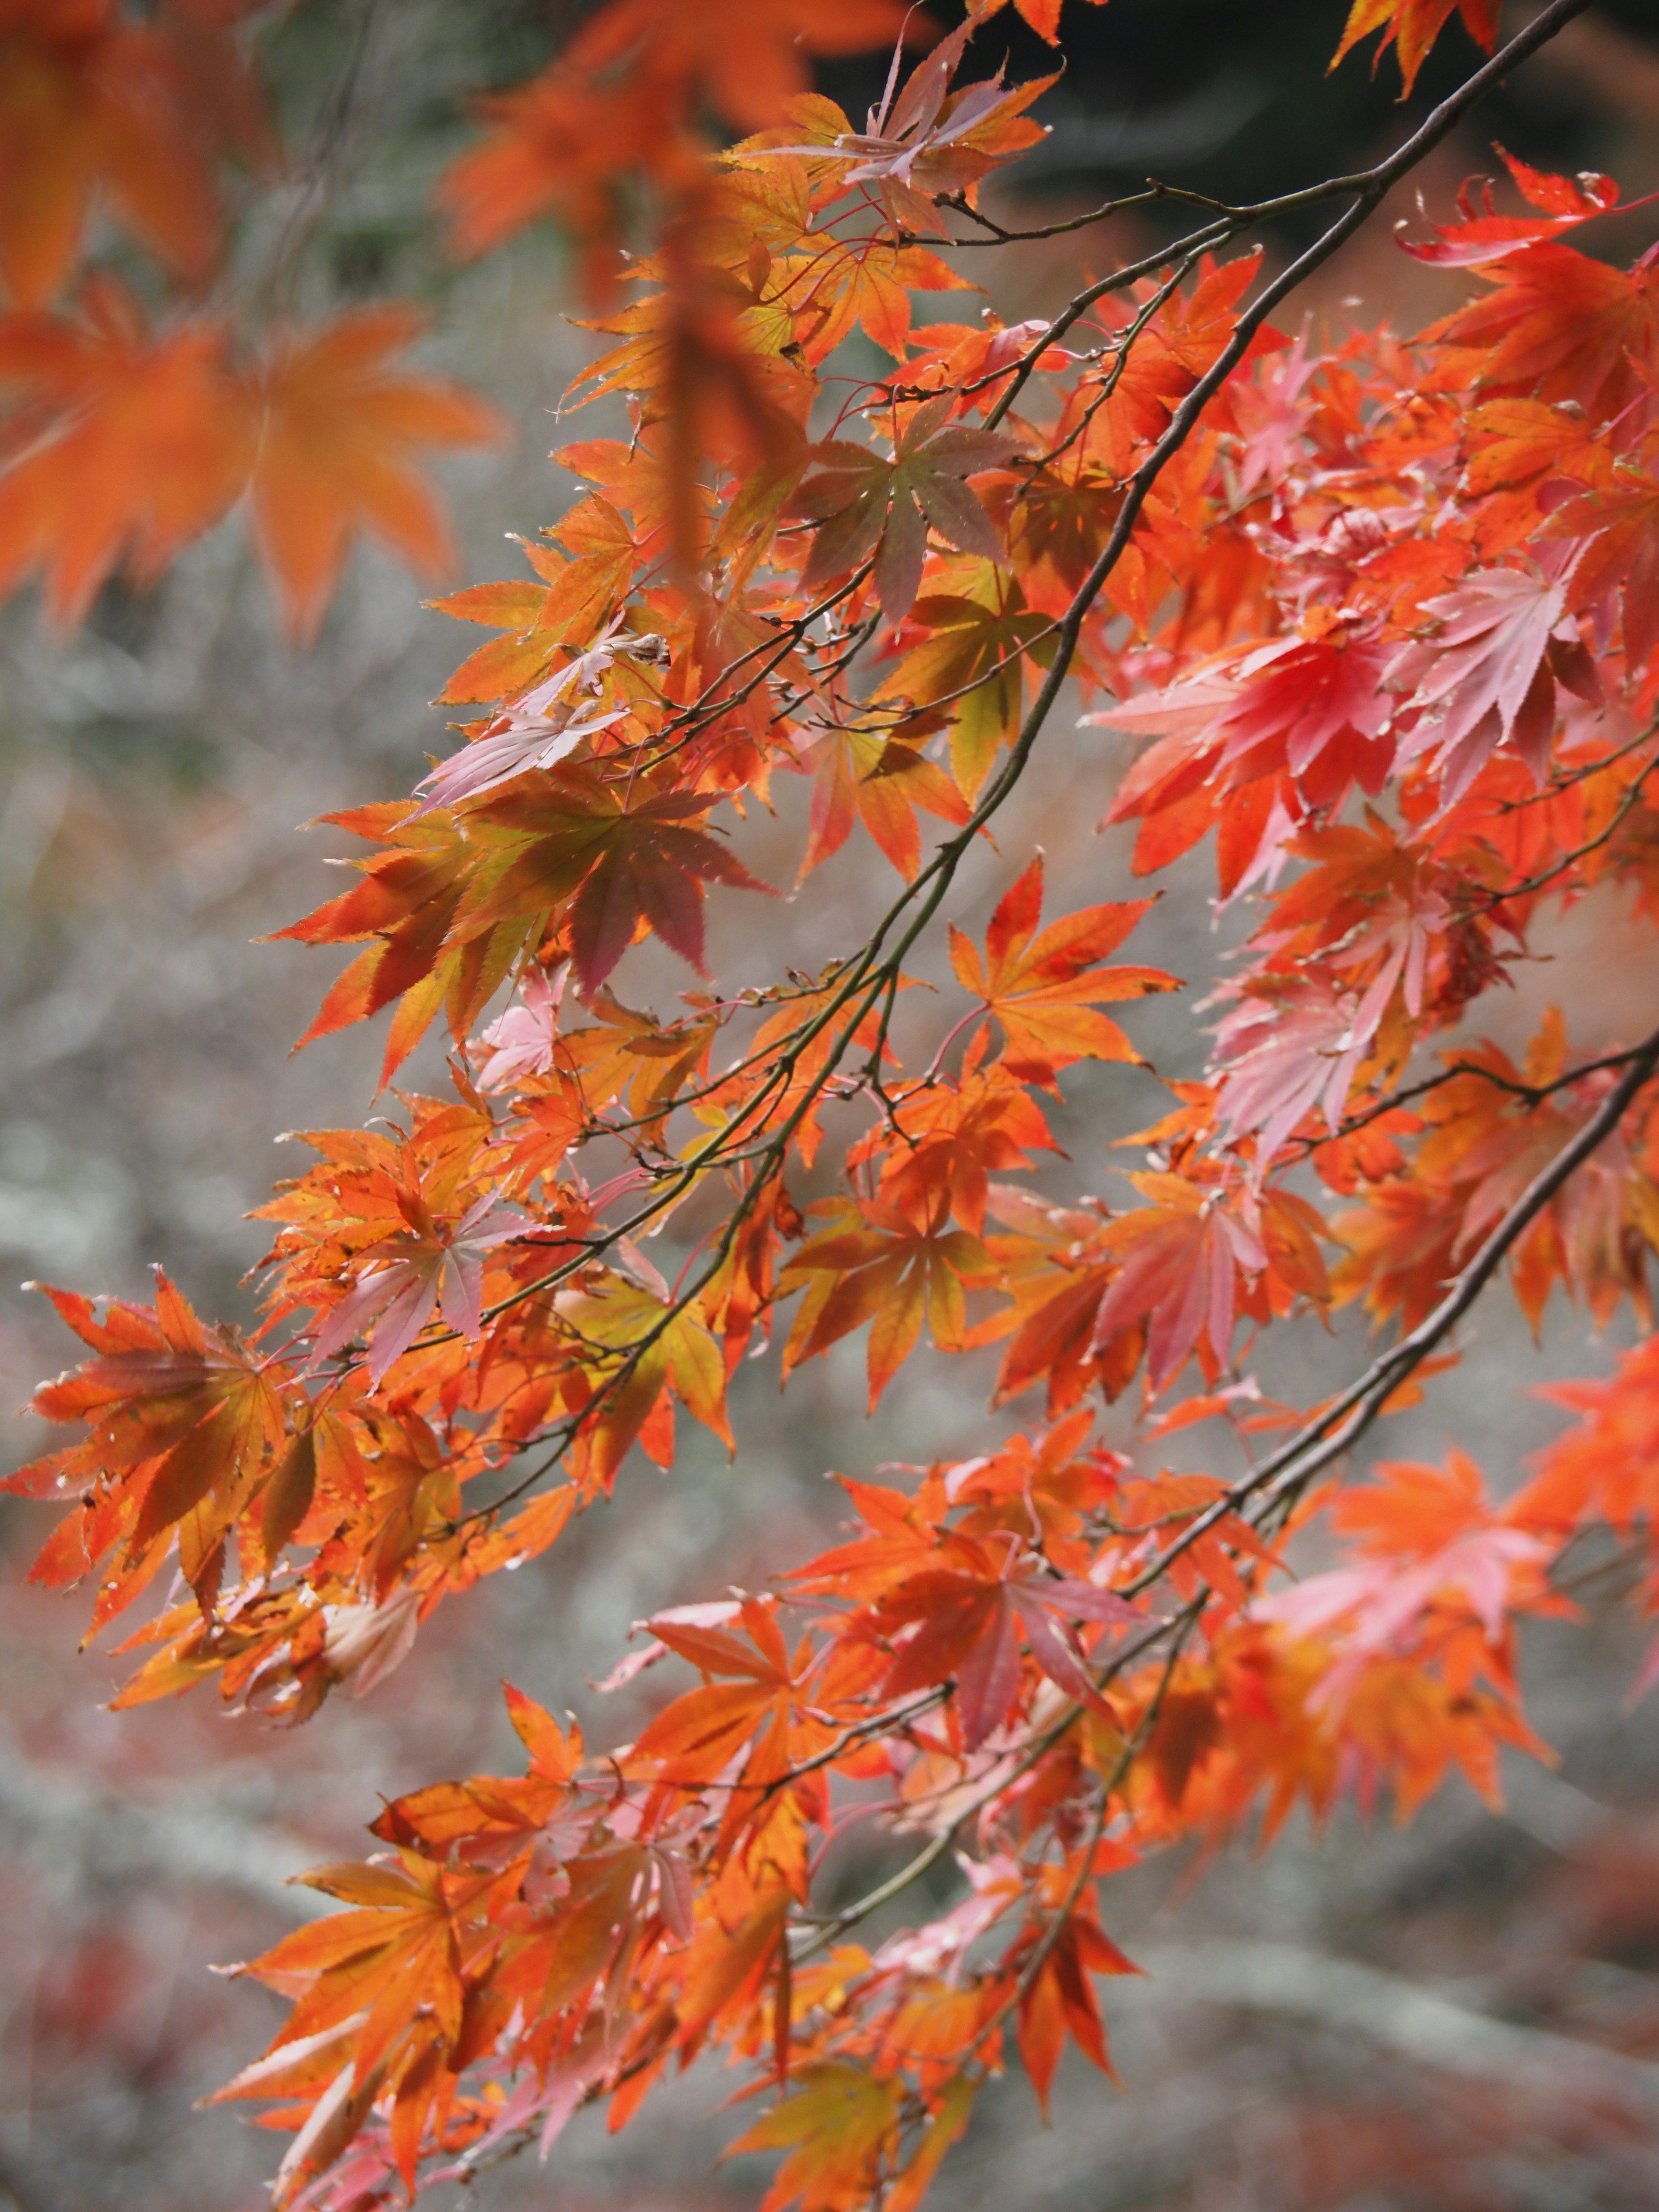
x: 1369, y: 2021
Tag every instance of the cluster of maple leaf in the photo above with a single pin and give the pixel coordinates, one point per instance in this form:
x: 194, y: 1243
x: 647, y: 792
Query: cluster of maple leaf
x: 1388, y: 613
x: 126, y: 435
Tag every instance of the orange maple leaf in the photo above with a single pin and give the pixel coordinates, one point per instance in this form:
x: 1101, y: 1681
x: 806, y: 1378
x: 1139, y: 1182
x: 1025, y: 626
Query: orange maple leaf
x: 338, y: 434
x: 97, y: 106
x: 125, y: 445
x: 1043, y: 988
x: 1411, y: 27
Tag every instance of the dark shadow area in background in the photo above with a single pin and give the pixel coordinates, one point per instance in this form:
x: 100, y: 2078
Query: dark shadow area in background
x: 1235, y: 100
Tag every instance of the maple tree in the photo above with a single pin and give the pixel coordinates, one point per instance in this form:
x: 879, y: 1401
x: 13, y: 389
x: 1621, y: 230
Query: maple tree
x: 1388, y: 615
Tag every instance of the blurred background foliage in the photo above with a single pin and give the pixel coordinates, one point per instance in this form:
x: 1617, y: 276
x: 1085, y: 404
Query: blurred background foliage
x: 152, y: 767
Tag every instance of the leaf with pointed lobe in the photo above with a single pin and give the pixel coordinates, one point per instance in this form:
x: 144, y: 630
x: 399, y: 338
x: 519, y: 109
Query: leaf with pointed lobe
x: 140, y: 443
x: 835, y: 2129
x: 624, y: 97
x: 965, y: 1619
x: 1182, y: 1259
x: 1618, y: 525
x: 931, y: 140
x: 865, y: 776
x: 429, y: 1266
x: 1411, y: 27
x: 1043, y: 986
x: 1059, y: 1999
x: 878, y: 1265
x: 1559, y: 326
x: 948, y: 2124
x: 446, y: 912
x: 339, y: 434
x: 858, y: 283
x: 970, y: 663
x: 567, y: 609
x: 694, y: 1739
x: 183, y: 1424
x: 1042, y: 16
x: 101, y: 109
x: 1561, y: 203
x: 864, y: 504
x: 1486, y: 677
x: 1127, y: 405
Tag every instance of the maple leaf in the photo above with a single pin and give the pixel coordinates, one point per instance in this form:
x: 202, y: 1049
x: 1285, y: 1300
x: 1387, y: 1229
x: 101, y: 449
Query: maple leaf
x: 864, y: 504
x: 337, y: 436
x: 834, y: 2128
x: 661, y: 1347
x: 860, y: 284
x: 522, y: 1041
x: 865, y: 776
x: 876, y: 1264
x: 1483, y: 235
x: 695, y: 1739
x: 929, y: 141
x: 714, y: 357
x: 1043, y: 988
x: 966, y: 1620
x: 973, y: 659
x: 1411, y: 27
x: 955, y: 1136
x: 622, y: 96
x: 1602, y: 1470
x: 1311, y: 707
x: 1432, y: 1540
x: 1560, y: 326
x: 650, y: 865
x: 1621, y: 520
x: 1117, y: 410
x: 1056, y: 520
x: 537, y: 732
x: 1059, y: 1996
x: 1489, y: 675
x: 446, y: 914
x: 1042, y: 16
x: 407, y: 1277
x: 373, y: 1986
x: 184, y: 1423
x: 98, y: 108
x: 1291, y: 1043
x: 1179, y: 1258
x: 138, y: 444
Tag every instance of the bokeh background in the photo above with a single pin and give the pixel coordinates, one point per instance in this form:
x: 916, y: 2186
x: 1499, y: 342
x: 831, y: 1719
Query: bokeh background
x: 1464, y: 2014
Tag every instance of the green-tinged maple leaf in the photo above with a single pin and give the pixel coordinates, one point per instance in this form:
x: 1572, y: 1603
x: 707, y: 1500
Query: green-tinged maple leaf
x: 450, y: 907
x: 864, y: 504
x: 971, y: 665
x: 834, y: 2128
x: 1043, y: 988
x: 643, y: 1349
